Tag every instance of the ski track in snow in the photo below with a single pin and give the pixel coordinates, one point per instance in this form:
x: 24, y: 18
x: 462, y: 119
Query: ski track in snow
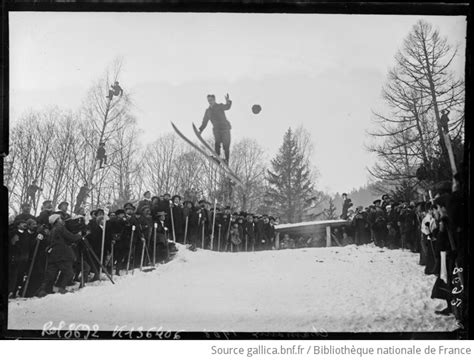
x: 348, y: 289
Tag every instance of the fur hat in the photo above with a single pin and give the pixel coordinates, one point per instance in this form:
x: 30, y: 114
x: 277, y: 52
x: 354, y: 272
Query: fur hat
x: 53, y: 218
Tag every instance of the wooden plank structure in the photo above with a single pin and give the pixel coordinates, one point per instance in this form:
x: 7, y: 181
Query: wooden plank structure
x: 319, y: 230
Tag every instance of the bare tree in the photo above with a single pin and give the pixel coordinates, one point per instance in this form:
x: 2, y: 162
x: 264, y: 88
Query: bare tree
x: 103, y: 119
x: 409, y: 136
x: 248, y: 161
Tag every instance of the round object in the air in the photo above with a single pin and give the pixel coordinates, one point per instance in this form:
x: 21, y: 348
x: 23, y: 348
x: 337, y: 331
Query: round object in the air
x: 256, y: 109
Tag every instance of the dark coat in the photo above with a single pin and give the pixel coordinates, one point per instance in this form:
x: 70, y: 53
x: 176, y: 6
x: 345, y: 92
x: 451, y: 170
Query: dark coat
x: 19, y: 246
x: 95, y: 237
x: 178, y: 220
x: 23, y: 217
x: 43, y: 218
x: 61, y: 240
x: 249, y: 230
x: 217, y: 116
x: 142, y: 204
x: 345, y: 208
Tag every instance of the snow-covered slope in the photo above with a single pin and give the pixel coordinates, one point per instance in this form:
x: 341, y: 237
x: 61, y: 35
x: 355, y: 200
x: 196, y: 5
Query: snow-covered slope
x: 355, y: 289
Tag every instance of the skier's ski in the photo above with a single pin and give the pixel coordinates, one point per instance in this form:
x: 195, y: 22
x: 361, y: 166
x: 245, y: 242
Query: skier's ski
x: 208, y: 156
x: 215, y: 156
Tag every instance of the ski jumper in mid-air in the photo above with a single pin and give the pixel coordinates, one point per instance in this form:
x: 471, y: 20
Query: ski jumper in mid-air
x: 221, y: 126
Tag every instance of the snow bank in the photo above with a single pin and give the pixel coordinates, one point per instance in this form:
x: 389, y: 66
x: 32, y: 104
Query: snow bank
x: 354, y: 289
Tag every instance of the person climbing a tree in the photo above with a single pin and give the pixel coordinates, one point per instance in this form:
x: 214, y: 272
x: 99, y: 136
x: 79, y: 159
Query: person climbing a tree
x: 221, y: 126
x: 81, y: 197
x: 116, y: 90
x: 445, y: 120
x: 31, y: 192
x: 101, y: 156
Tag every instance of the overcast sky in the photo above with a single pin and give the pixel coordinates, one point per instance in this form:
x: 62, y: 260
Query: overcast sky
x: 324, y: 72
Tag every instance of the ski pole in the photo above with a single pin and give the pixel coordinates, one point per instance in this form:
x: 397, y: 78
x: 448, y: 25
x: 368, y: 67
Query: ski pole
x: 246, y: 240
x: 219, y: 237
x: 202, y: 235
x: 172, y: 221
x: 228, y: 234
x: 96, y: 259
x: 82, y: 268
x: 130, y: 248
x: 112, y: 259
x: 166, y: 245
x: 38, y: 239
x: 213, y: 224
x: 147, y: 253
x: 154, y: 244
x: 143, y: 253
x: 102, y: 246
x: 186, y: 229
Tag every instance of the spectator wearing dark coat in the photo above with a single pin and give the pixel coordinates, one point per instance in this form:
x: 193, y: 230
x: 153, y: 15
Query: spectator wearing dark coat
x: 61, y: 256
x: 146, y: 201
x: 25, y: 213
x: 18, y: 253
x: 347, y: 203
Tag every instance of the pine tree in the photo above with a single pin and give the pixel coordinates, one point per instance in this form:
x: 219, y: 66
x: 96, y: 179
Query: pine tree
x: 331, y: 211
x: 289, y: 182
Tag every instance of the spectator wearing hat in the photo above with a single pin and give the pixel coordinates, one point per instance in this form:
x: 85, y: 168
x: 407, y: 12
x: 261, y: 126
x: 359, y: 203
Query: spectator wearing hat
x: 346, y: 204
x: 176, y: 221
x: 392, y: 228
x: 407, y: 224
x: 123, y: 248
x: 46, y: 212
x: 360, y: 226
x: 93, y: 215
x: 35, y: 234
x: 154, y: 206
x: 264, y: 233
x: 224, y: 220
x: 385, y: 201
x: 164, y: 203
x: 430, y: 231
x: 61, y: 256
x: 25, y: 213
x: 18, y: 253
x: 236, y: 234
x: 380, y: 225
x: 146, y: 201
x: 114, y: 235
x: 62, y: 210
x: 162, y: 241
x: 445, y: 249
x: 96, y: 228
x: 249, y: 232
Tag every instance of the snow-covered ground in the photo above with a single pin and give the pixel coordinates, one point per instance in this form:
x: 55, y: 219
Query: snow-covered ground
x: 354, y: 289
